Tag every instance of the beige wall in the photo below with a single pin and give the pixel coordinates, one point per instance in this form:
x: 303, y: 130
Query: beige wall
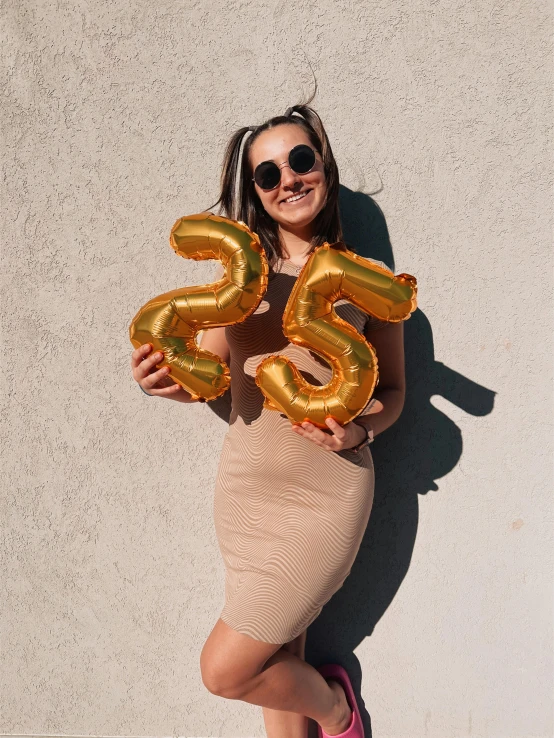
x: 116, y: 115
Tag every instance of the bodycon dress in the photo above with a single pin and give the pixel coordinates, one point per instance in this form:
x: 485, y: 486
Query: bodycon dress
x: 289, y: 515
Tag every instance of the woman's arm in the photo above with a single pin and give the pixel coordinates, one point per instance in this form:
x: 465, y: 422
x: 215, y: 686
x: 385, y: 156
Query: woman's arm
x: 214, y: 340
x: 390, y: 392
x: 388, y: 342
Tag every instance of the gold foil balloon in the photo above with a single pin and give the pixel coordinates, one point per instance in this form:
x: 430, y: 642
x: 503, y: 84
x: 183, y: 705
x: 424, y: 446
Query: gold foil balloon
x: 170, y: 322
x: 310, y: 320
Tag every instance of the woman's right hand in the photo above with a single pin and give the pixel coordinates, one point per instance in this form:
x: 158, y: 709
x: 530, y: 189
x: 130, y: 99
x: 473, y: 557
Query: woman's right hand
x: 154, y: 381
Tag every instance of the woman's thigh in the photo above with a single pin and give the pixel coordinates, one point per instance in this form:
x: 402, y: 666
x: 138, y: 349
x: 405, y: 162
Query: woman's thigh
x: 298, y: 645
x: 229, y: 658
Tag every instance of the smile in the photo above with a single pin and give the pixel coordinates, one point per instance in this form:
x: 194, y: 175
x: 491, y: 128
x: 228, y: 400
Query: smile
x: 295, y: 198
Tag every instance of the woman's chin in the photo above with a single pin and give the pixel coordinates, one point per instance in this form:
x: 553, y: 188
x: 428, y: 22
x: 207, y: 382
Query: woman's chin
x: 294, y: 224
x: 299, y: 219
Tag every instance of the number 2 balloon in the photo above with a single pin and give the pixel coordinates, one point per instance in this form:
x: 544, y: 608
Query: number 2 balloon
x: 170, y: 322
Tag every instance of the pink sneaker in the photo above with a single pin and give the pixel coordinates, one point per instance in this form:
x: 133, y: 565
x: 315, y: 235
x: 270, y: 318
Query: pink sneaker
x: 356, y: 728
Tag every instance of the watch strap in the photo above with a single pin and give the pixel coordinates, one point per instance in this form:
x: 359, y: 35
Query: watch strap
x: 366, y: 441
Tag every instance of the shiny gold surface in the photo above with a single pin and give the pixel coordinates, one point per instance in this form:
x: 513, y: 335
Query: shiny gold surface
x: 170, y: 322
x: 310, y: 320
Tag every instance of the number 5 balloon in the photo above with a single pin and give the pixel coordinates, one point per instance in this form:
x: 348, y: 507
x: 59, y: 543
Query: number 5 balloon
x: 170, y: 322
x: 310, y: 320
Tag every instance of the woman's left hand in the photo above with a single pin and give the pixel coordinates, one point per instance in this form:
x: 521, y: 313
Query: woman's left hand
x: 342, y: 436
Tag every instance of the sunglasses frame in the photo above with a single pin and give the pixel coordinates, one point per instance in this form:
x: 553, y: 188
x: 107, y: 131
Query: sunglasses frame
x: 269, y: 161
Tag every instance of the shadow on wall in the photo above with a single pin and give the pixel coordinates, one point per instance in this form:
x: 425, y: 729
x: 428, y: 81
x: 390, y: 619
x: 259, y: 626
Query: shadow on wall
x: 422, y: 446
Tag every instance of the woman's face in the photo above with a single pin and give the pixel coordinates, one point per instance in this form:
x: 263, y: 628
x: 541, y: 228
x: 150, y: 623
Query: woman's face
x: 275, y: 145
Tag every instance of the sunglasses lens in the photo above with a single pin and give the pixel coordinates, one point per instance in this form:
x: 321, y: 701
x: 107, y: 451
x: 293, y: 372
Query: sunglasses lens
x: 302, y: 159
x: 267, y: 175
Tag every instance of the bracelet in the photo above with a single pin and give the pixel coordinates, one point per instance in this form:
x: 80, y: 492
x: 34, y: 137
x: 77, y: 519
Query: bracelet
x: 146, y: 393
x: 367, y: 440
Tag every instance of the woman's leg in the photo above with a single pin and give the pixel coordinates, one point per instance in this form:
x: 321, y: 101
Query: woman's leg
x: 282, y: 724
x: 236, y: 666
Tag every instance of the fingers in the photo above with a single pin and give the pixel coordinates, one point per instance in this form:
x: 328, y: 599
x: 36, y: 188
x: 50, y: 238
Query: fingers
x: 318, y: 436
x: 139, y: 353
x: 338, y: 431
x: 149, y: 381
x: 164, y: 391
x: 159, y: 383
x: 143, y: 364
x: 148, y: 364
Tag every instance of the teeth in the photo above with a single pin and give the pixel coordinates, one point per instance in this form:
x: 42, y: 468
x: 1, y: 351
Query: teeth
x: 296, y: 197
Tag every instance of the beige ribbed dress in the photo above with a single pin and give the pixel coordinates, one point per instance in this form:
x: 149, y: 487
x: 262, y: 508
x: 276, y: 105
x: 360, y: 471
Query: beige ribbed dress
x: 289, y: 515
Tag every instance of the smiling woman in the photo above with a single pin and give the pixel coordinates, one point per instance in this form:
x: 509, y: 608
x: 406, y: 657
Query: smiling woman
x: 298, y: 197
x: 297, y: 211
x: 291, y: 503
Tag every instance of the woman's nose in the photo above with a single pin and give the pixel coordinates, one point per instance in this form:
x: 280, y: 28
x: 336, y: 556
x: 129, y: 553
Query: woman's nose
x: 288, y: 175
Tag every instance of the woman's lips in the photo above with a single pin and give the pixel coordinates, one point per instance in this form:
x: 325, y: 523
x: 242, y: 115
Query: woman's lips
x: 300, y: 199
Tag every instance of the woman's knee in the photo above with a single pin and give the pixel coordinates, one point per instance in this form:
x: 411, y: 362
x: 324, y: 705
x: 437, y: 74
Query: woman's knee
x: 215, y: 678
x: 217, y: 674
x: 229, y: 661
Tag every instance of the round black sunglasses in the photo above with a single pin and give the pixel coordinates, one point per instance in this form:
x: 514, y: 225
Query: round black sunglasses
x: 267, y: 175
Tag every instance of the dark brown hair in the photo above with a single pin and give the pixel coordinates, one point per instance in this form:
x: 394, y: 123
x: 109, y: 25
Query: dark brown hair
x: 239, y: 200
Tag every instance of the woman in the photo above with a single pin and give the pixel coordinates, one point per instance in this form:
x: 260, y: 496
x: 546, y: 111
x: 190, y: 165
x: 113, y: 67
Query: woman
x: 291, y: 502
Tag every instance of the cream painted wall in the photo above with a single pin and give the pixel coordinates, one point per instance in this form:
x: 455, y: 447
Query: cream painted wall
x: 116, y: 115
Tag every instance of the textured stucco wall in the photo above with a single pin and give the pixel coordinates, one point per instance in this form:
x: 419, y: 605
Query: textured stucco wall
x: 116, y: 115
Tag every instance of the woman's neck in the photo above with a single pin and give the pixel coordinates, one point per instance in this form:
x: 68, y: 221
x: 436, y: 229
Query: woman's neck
x: 297, y: 242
